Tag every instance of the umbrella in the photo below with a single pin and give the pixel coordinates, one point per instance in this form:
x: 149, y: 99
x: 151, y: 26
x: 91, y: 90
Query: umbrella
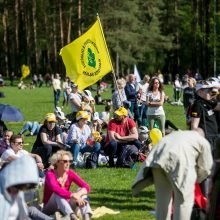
x: 10, y: 113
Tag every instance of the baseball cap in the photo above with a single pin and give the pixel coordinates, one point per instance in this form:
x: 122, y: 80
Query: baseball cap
x: 57, y: 109
x: 88, y: 95
x: 82, y: 114
x: 73, y: 85
x: 50, y: 117
x: 121, y: 112
x: 206, y: 84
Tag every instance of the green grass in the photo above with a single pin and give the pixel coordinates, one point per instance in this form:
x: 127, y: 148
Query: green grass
x: 110, y: 187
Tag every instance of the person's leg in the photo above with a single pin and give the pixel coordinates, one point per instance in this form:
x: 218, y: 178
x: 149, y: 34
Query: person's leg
x: 35, y: 127
x: 55, y: 97
x: 137, y: 115
x: 56, y: 203
x: 161, y: 122
x: 137, y: 143
x: 151, y: 119
x: 27, y: 126
x: 75, y: 148
x: 36, y: 214
x: 144, y: 115
x: 183, y: 204
x: 96, y: 148
x: 168, y: 124
x: 163, y: 190
x: 111, y: 150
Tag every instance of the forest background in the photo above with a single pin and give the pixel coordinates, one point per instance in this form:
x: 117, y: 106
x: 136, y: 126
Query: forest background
x: 171, y: 36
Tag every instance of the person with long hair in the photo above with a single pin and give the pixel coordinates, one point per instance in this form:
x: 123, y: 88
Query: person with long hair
x: 155, y: 101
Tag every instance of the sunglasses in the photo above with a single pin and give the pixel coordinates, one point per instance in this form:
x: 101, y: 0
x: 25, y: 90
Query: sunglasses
x: 19, y: 143
x: 67, y: 161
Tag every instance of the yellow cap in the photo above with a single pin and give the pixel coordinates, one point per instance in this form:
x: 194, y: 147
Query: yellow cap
x: 121, y: 111
x: 50, y: 117
x: 82, y: 114
x: 155, y: 135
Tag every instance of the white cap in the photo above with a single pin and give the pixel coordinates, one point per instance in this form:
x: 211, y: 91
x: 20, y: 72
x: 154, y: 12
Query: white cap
x: 88, y: 95
x: 207, y: 85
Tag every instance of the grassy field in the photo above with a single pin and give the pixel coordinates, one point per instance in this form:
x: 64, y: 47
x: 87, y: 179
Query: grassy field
x: 110, y: 186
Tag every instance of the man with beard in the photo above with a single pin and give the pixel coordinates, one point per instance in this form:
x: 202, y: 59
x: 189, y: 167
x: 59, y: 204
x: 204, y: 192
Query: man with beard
x: 121, y: 131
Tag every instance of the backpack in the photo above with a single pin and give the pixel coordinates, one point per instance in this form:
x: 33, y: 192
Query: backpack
x: 92, y: 161
x: 128, y: 157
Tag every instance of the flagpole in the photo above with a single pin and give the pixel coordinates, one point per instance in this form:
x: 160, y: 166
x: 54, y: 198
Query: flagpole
x: 113, y: 71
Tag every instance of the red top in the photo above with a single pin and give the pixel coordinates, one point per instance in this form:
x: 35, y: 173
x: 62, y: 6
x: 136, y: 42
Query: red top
x: 123, y: 129
x: 53, y: 186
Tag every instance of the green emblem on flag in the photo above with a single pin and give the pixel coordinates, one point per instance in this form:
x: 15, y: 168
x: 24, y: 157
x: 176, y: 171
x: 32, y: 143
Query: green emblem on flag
x: 91, y: 58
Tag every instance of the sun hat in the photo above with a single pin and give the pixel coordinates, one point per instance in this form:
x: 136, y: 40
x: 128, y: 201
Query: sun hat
x: 60, y: 115
x: 95, y: 116
x: 82, y: 114
x: 88, y: 95
x: 121, y: 112
x: 50, y: 117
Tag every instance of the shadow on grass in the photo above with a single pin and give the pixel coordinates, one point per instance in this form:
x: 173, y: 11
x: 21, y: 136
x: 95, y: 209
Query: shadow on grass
x: 122, y: 199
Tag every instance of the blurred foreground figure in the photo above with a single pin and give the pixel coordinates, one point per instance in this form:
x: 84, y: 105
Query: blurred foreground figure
x: 174, y: 165
x: 20, y: 174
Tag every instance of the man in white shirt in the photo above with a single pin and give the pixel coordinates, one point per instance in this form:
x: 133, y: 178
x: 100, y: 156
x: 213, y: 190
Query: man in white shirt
x: 16, y: 151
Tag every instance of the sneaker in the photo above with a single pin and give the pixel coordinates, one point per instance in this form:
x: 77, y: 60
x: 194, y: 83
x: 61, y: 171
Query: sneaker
x: 58, y: 215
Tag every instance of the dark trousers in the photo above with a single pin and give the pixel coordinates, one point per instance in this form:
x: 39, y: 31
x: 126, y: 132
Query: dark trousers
x: 56, y: 97
x: 45, y: 152
x: 114, y: 148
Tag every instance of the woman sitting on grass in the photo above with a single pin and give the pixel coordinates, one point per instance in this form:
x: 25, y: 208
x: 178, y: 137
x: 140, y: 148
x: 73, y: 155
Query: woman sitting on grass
x: 48, y: 139
x: 79, y: 137
x: 57, y: 194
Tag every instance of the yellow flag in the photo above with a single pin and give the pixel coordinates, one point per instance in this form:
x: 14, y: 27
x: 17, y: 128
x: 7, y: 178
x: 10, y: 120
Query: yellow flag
x: 25, y: 71
x: 87, y: 58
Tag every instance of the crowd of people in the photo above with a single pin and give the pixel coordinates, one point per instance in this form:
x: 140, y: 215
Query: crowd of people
x: 176, y: 161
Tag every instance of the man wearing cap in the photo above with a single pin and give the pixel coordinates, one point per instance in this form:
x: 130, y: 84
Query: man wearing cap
x: 121, y: 131
x: 202, y: 113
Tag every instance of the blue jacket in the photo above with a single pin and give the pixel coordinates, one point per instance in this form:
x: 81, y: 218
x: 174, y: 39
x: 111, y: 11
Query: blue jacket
x: 131, y: 93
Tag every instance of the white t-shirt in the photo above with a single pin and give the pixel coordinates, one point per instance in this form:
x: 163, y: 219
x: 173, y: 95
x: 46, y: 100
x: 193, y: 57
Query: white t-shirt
x: 76, y: 133
x: 77, y: 97
x: 56, y: 84
x: 10, y: 152
x: 144, y: 92
x: 155, y: 110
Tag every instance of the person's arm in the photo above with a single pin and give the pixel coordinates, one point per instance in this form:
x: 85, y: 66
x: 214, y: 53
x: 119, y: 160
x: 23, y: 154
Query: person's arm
x: 52, y: 183
x: 156, y: 104
x: 45, y: 140
x: 194, y: 123
x: 38, y: 160
x: 75, y: 102
x: 131, y: 137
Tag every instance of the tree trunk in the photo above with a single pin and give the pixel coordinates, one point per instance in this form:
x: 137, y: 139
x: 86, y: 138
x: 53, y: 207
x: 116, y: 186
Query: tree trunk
x: 79, y: 17
x: 61, y: 23
x: 17, y: 57
x: 194, y: 33
x: 5, y: 38
x: 36, y: 55
x: 70, y: 22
